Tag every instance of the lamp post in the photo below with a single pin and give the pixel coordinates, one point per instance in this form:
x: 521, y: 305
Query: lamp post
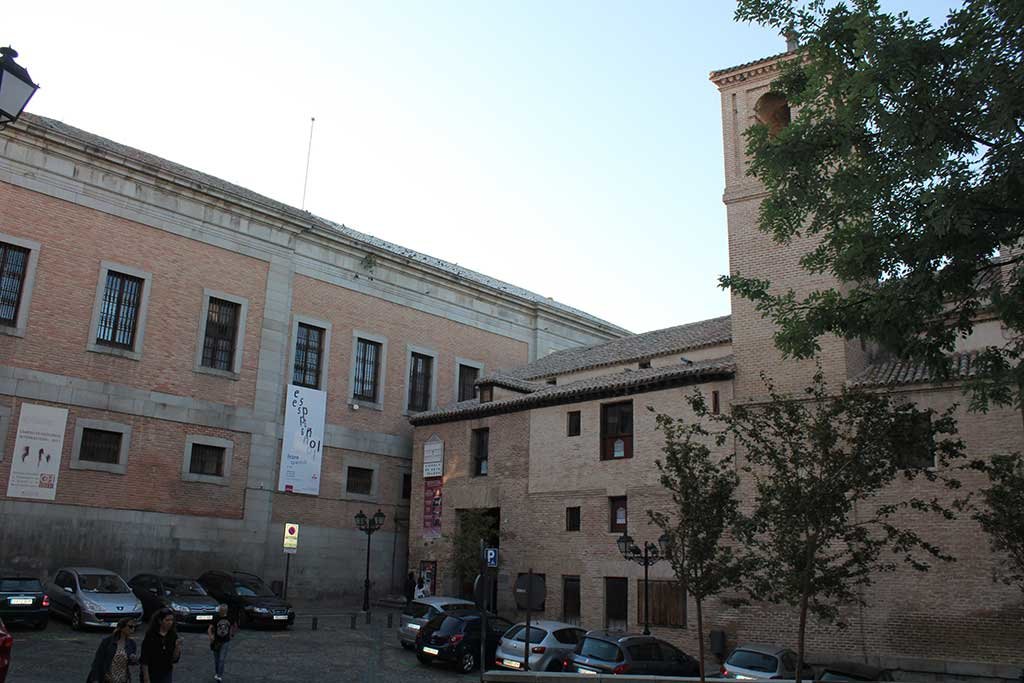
x: 16, y: 87
x: 368, y: 525
x: 651, y: 553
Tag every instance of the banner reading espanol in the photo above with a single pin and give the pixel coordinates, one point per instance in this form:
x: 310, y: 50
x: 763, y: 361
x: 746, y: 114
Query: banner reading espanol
x: 302, y: 447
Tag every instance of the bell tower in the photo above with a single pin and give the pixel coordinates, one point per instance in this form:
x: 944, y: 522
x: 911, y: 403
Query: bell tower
x: 748, y: 98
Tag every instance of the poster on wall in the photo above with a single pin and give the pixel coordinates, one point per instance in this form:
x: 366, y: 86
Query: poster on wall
x: 432, y: 507
x: 37, y: 447
x: 428, y: 571
x: 433, y: 457
x: 302, y: 447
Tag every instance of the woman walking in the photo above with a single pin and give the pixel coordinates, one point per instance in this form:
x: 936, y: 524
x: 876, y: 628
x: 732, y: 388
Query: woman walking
x: 161, y: 648
x: 221, y: 631
x: 114, y: 655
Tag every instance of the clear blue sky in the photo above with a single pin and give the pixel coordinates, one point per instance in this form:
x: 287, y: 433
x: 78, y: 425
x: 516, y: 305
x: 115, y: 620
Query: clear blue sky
x: 573, y: 148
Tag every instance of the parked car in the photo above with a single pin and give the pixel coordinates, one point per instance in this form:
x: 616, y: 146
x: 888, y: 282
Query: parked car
x: 551, y: 642
x: 6, y: 644
x: 615, y: 652
x: 853, y: 671
x: 454, y: 638
x: 420, y: 611
x: 249, y: 600
x: 23, y: 600
x: 192, y: 606
x: 759, y: 660
x: 88, y: 596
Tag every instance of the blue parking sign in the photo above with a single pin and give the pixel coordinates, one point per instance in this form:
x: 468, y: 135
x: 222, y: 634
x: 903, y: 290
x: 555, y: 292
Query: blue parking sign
x: 491, y: 555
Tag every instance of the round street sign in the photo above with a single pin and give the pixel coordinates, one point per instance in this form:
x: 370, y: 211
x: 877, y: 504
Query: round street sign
x: 537, y: 591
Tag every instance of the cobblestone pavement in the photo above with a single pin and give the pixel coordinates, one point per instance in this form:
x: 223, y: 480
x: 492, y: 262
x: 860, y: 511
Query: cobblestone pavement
x: 334, y: 652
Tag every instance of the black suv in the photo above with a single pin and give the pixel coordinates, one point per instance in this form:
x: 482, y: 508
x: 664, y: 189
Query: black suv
x: 454, y: 638
x: 23, y: 600
x: 614, y: 652
x: 185, y: 597
x: 250, y: 602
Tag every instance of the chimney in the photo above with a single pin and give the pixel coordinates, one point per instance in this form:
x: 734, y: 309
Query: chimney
x: 791, y: 42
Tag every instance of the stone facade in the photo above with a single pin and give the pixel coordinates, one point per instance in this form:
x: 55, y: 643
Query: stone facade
x: 950, y: 623
x: 84, y: 206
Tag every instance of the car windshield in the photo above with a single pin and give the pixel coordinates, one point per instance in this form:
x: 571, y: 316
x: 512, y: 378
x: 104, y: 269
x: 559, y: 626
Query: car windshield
x: 251, y: 587
x: 450, y: 625
x: 536, y: 634
x: 755, y: 661
x: 182, y: 587
x: 20, y: 586
x: 416, y: 610
x: 601, y: 649
x: 102, y: 583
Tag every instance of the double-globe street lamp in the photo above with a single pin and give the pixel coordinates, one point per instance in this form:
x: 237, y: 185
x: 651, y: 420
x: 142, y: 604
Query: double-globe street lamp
x: 650, y: 554
x: 368, y: 525
x: 16, y: 87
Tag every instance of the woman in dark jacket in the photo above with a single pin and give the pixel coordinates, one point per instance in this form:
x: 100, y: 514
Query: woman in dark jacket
x: 114, y: 655
x: 161, y: 648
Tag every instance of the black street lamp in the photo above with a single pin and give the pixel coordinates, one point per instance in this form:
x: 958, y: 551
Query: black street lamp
x: 368, y: 525
x: 16, y: 87
x: 650, y: 554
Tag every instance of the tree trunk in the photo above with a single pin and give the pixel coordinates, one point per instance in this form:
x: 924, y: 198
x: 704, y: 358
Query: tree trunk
x: 700, y: 637
x: 800, y: 638
x: 805, y: 590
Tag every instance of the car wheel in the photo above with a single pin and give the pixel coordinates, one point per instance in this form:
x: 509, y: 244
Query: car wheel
x: 555, y: 665
x: 76, y: 619
x: 467, y: 662
x: 424, y: 659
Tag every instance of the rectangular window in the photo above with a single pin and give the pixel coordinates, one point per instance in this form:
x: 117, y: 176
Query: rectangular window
x: 309, y: 349
x: 486, y: 394
x: 715, y: 407
x: 119, y: 310
x: 572, y: 427
x: 616, y: 603
x: 100, y: 446
x: 617, y: 430
x: 467, y: 381
x: 221, y: 335
x: 571, y: 599
x: 367, y: 375
x: 572, y: 519
x: 420, y: 375
x: 913, y: 443
x: 13, y: 266
x: 667, y: 601
x: 207, y: 460
x: 406, y: 486
x: 360, y: 481
x: 480, y: 445
x: 617, y: 514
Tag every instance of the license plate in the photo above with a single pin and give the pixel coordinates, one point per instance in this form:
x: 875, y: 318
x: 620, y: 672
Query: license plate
x: 204, y: 617
x: 414, y: 627
x: 585, y: 670
x: 22, y: 601
x: 280, y: 617
x: 429, y: 651
x: 512, y: 664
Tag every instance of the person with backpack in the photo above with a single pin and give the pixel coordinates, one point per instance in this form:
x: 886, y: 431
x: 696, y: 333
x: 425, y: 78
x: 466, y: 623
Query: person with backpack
x: 221, y: 631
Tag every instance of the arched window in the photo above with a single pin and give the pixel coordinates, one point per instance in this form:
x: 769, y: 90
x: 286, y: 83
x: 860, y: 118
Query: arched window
x: 772, y: 110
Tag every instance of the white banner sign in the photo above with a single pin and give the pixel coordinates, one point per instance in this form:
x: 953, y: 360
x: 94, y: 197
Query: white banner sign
x: 37, y: 449
x: 433, y: 457
x: 302, y: 448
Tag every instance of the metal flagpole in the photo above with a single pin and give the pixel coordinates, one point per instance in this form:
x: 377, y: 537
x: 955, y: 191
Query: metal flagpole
x: 309, y: 151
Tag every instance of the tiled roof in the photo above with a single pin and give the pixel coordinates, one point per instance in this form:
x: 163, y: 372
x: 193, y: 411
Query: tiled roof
x: 513, y: 383
x: 895, y: 372
x: 747, y: 65
x: 96, y: 142
x: 620, y: 383
x: 627, y: 349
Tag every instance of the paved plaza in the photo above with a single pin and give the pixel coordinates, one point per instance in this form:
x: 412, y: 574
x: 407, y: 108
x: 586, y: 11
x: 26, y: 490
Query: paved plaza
x: 334, y: 652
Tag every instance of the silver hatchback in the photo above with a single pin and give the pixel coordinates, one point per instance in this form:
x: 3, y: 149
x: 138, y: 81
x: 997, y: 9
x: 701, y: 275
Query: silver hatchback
x: 420, y: 611
x: 754, y: 661
x: 92, y: 597
x: 550, y: 643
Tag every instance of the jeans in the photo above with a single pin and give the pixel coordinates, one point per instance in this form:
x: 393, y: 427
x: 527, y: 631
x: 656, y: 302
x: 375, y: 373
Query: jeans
x: 220, y: 656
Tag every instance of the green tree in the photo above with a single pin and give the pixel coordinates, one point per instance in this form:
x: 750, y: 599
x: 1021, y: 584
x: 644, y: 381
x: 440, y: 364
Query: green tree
x: 474, y: 525
x: 1002, y: 516
x: 821, y: 527
x: 703, y: 488
x: 905, y: 161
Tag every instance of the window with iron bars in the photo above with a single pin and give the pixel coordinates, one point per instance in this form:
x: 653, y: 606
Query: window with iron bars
x: 221, y: 335
x: 119, y: 310
x: 13, y: 265
x: 309, y: 344
x: 100, y: 446
x: 206, y: 459
x: 367, y: 371
x: 420, y: 371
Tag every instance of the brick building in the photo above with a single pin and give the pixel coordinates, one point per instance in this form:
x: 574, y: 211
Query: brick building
x: 562, y: 451
x: 167, y: 311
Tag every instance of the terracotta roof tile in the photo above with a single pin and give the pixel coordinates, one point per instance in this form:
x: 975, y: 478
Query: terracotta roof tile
x: 896, y: 372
